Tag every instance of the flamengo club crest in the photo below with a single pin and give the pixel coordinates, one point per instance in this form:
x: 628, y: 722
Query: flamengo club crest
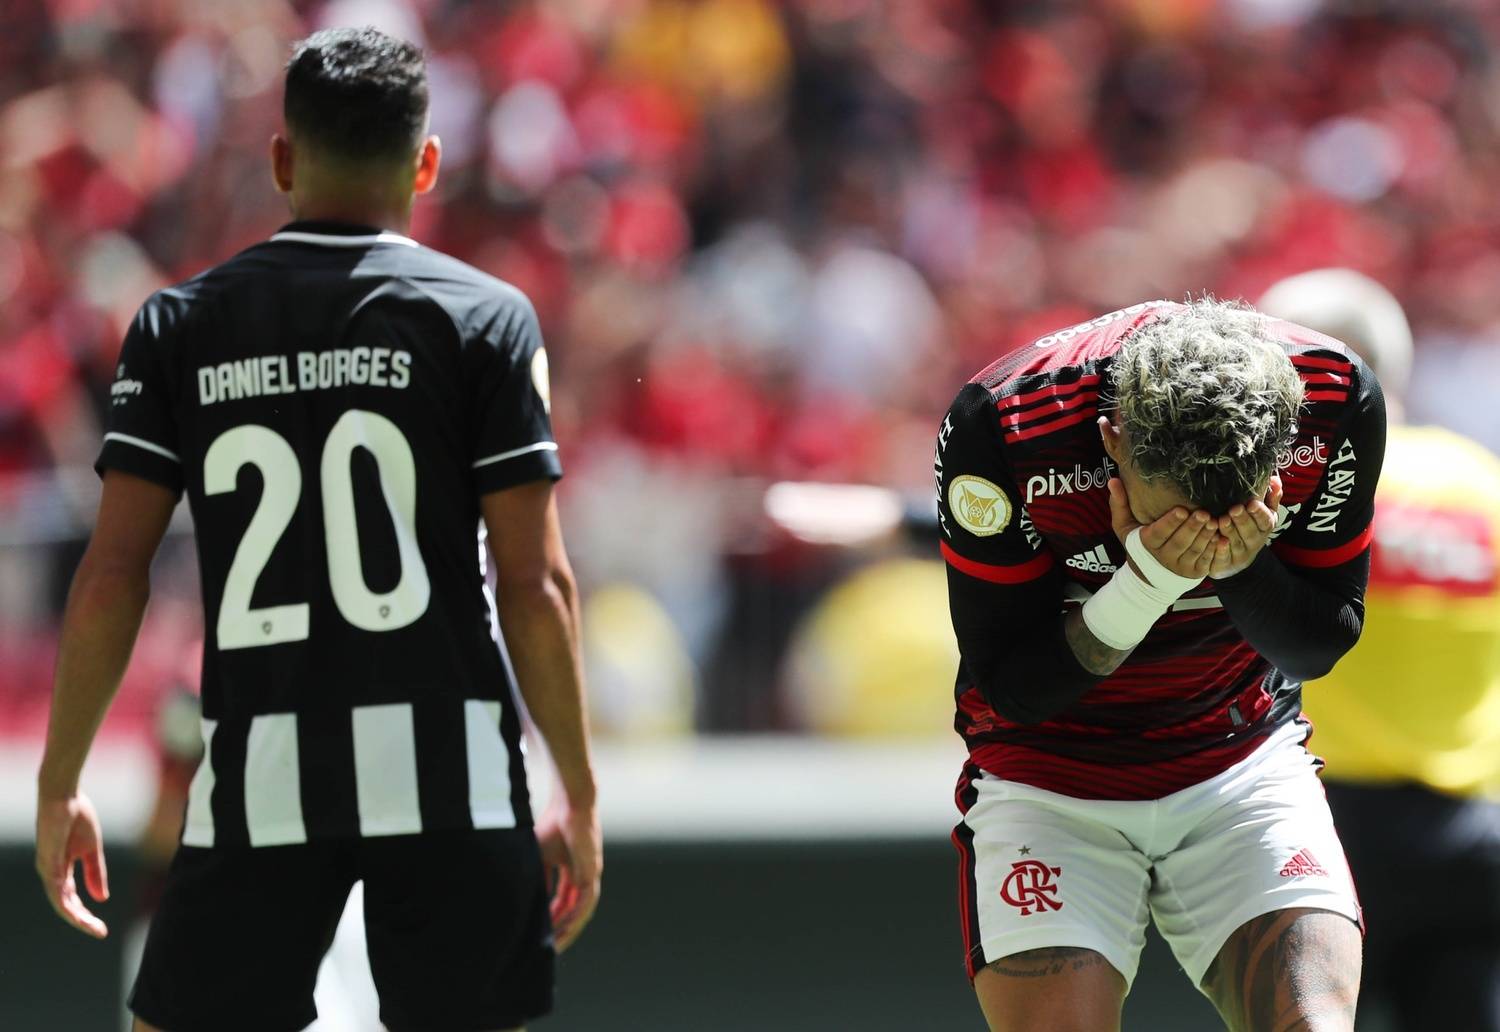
x: 1031, y: 886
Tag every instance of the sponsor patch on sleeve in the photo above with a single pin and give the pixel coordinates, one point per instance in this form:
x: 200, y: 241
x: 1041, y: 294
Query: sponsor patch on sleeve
x: 979, y: 506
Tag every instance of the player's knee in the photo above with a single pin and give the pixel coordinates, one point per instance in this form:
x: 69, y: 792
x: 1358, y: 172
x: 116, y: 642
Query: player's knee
x: 1062, y: 989
x: 1300, y: 966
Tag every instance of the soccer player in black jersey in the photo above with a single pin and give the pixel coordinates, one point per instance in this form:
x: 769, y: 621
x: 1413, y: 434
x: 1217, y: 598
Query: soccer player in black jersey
x: 343, y: 408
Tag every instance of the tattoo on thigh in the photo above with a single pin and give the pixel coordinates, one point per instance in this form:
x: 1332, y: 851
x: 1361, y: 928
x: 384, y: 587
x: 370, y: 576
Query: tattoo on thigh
x: 1049, y: 960
x: 1288, y: 971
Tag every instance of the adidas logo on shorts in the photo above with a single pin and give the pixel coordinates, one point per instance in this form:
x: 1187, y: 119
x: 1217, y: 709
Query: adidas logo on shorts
x: 1303, y: 863
x: 1095, y: 561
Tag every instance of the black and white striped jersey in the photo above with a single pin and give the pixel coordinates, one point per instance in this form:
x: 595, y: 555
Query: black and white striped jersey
x: 334, y: 401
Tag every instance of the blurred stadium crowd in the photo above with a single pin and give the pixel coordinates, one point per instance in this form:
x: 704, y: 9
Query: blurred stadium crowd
x: 768, y: 240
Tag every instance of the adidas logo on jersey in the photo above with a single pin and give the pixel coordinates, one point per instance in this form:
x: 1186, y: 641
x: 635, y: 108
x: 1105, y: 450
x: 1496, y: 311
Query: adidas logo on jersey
x: 1304, y: 863
x: 1094, y: 561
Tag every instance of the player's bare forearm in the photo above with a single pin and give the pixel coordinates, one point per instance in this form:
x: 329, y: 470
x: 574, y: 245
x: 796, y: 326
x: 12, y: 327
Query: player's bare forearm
x: 1092, y: 654
x: 103, y: 615
x: 538, y: 604
x: 541, y: 625
x: 540, y: 620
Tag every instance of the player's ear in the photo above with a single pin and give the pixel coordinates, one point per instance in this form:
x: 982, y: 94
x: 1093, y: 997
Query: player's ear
x: 428, y: 160
x: 1110, y: 435
x: 281, y: 163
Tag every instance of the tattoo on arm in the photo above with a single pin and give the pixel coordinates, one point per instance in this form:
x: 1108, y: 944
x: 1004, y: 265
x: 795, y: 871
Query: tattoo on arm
x: 1049, y: 960
x: 1095, y: 656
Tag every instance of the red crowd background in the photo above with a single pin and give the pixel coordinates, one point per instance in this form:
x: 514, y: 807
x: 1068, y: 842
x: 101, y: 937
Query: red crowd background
x: 767, y: 239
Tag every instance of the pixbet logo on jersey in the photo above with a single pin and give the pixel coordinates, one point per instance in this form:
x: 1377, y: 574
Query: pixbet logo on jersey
x: 1314, y: 454
x: 1055, y: 483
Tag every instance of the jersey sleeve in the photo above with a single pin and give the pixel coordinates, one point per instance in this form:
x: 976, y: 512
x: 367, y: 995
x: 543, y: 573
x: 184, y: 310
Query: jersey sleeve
x: 979, y: 510
x: 1004, y: 590
x: 141, y: 434
x: 513, y: 443
x: 1300, y: 604
x: 1334, y: 524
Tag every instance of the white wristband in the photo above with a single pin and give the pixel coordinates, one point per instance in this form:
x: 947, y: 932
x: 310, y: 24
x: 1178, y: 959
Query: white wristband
x: 1121, y: 613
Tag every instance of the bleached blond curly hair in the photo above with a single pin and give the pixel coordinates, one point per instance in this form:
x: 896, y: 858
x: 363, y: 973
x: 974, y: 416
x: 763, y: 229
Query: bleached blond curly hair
x: 1208, y: 401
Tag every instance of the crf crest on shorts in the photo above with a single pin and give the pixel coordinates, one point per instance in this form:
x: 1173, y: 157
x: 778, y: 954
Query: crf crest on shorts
x: 1031, y: 886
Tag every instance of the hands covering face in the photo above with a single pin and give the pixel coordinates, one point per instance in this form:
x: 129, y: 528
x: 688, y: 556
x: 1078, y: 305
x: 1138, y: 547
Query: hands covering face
x: 1195, y: 543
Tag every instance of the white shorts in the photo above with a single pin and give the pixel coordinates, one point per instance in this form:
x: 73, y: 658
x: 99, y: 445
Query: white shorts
x: 1038, y: 869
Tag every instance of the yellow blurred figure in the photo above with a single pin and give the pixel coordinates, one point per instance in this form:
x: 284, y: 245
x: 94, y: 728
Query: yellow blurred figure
x: 1418, y: 699
x: 642, y: 681
x: 856, y: 662
x: 1409, y: 721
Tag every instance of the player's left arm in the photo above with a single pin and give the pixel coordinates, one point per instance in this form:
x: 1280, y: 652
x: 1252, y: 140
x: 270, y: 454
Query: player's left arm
x: 515, y: 464
x: 1300, y: 601
x: 103, y: 614
x: 142, y: 470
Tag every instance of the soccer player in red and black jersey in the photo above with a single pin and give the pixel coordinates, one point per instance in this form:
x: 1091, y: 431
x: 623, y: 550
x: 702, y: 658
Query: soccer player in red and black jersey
x: 1157, y: 525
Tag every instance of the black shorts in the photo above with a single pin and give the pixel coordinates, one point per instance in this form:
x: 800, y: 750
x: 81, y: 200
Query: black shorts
x: 456, y: 924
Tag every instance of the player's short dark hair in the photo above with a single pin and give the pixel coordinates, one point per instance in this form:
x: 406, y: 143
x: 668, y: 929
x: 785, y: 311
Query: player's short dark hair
x: 357, y: 94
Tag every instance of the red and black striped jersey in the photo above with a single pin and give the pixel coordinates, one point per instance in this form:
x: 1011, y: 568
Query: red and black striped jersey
x: 1023, y: 505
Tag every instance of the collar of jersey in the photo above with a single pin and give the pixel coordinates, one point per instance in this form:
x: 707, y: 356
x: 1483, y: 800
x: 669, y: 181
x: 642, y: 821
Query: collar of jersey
x: 338, y: 234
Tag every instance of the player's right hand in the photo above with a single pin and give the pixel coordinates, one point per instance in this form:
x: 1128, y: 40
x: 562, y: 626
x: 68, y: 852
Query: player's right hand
x: 1181, y: 540
x: 573, y: 855
x: 67, y: 832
